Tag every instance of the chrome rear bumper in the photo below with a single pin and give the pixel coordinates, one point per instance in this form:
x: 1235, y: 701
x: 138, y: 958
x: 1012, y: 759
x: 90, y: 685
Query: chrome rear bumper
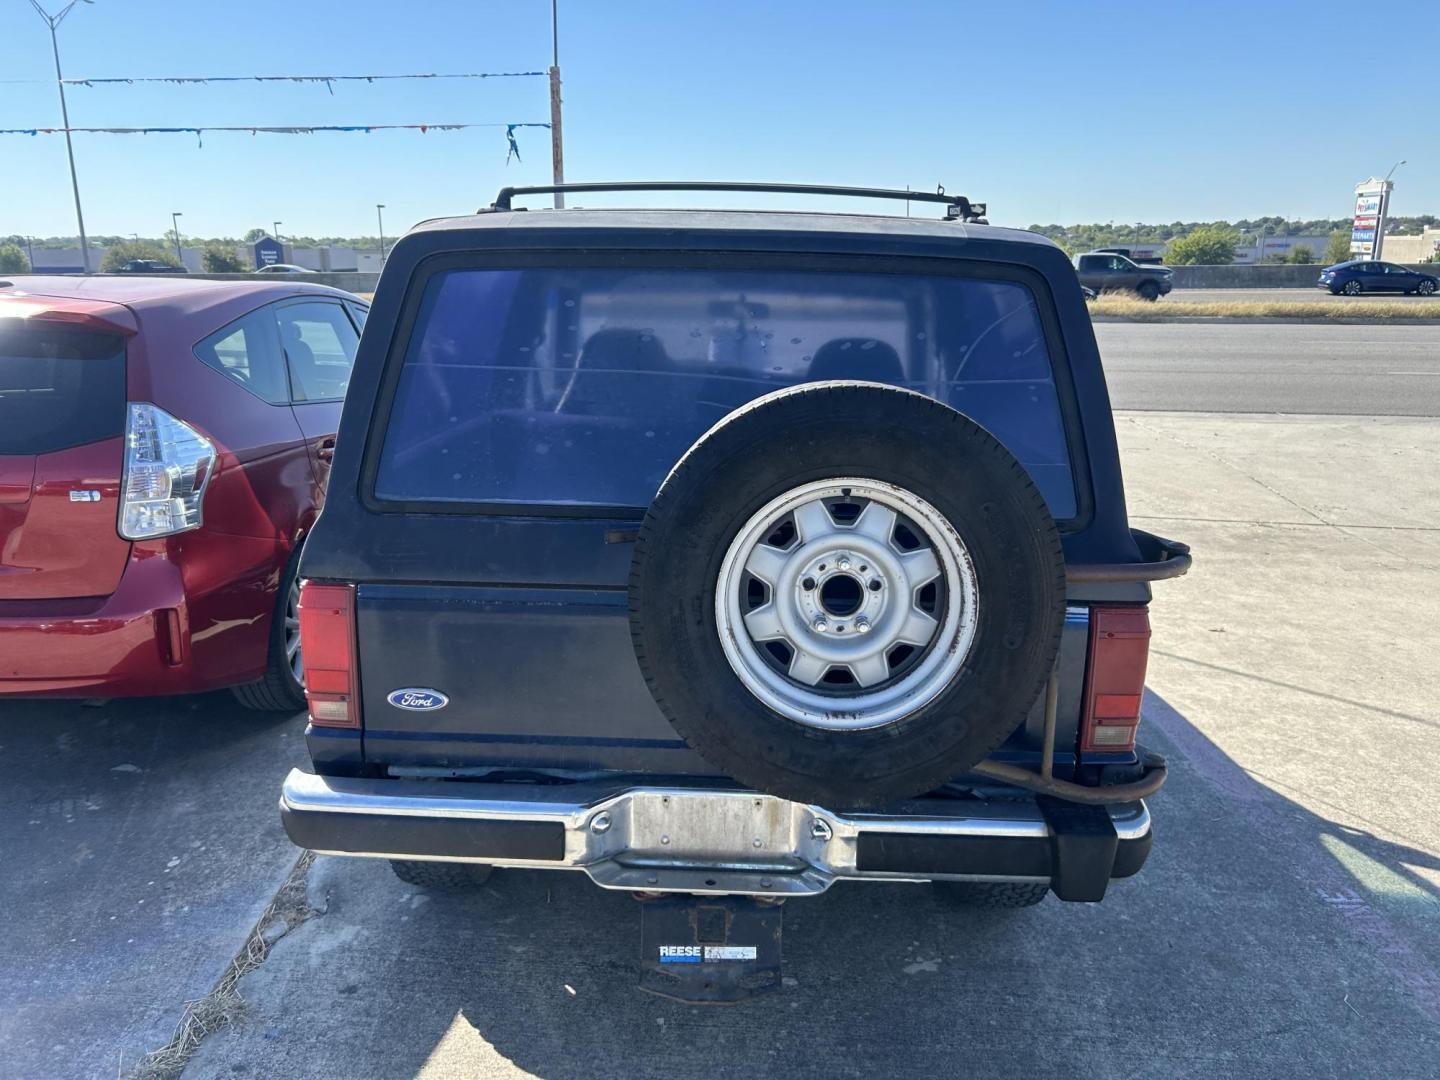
x: 715, y: 840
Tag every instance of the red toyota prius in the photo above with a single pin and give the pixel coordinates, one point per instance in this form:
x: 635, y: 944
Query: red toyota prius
x: 164, y: 447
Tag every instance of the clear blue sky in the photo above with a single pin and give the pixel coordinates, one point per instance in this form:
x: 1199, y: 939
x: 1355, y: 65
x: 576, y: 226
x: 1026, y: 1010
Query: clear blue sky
x: 1052, y: 112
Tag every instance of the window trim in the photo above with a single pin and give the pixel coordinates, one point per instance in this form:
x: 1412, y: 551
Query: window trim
x: 292, y: 301
x: 642, y: 259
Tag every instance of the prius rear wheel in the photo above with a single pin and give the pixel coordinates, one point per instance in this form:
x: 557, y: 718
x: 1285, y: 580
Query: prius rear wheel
x: 282, y: 687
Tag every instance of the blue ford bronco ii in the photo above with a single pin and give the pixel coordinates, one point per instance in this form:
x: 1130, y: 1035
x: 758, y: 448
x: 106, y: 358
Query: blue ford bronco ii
x: 724, y: 555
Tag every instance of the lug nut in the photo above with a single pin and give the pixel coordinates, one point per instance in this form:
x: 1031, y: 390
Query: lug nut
x: 862, y: 626
x: 844, y: 563
x: 820, y: 626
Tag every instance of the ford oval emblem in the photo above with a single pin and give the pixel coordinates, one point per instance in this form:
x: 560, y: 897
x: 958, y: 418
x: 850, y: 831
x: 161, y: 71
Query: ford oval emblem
x: 418, y: 699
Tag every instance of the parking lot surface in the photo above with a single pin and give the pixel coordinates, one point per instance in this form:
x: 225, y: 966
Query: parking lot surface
x: 140, y: 845
x: 1287, y: 924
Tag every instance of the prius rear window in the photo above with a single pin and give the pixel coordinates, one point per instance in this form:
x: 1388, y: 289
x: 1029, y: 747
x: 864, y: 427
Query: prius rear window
x: 59, y: 388
x: 583, y: 387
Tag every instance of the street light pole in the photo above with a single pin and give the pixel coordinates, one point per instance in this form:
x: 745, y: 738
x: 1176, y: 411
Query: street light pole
x: 175, y: 216
x: 53, y: 22
x: 557, y: 139
x: 1394, y: 167
x: 380, y: 220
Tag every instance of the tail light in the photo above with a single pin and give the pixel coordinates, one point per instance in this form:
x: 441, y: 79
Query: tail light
x: 327, y: 641
x: 167, y: 465
x: 1115, y: 677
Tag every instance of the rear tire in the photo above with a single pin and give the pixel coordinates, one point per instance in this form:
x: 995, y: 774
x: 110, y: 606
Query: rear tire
x: 1426, y: 288
x: 1149, y: 291
x: 992, y: 894
x: 280, y: 689
x: 441, y: 876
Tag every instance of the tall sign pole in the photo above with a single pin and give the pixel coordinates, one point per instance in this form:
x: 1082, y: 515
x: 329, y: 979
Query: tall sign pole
x: 1372, y: 204
x: 54, y: 21
x: 557, y: 139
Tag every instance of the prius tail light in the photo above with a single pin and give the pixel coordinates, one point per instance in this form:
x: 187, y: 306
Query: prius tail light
x: 327, y: 642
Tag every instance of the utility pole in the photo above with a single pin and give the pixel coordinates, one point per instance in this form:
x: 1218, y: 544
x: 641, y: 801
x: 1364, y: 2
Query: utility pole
x: 175, y: 216
x: 54, y: 21
x: 380, y: 220
x: 557, y: 139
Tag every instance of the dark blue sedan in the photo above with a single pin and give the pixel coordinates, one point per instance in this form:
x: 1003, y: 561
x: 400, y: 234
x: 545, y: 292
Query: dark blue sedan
x: 1362, y: 276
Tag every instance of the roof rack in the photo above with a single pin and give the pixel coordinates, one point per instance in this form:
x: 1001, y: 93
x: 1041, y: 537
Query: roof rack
x: 957, y: 207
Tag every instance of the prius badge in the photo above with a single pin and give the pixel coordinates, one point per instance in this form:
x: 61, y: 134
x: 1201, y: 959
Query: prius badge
x: 417, y: 699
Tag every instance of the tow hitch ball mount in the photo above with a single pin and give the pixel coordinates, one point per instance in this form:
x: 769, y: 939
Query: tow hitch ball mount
x: 706, y: 950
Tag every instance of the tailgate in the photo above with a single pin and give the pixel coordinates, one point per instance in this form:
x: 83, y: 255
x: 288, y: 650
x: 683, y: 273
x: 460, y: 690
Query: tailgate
x: 531, y: 678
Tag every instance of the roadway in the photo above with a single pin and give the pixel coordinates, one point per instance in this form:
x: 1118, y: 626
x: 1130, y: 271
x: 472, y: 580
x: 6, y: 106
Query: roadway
x: 1256, y: 368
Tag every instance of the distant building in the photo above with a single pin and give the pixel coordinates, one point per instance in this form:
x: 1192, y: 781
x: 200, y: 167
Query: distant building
x: 63, y: 260
x: 1276, y: 247
x: 1247, y: 250
x: 1411, y: 249
x: 68, y: 261
x: 332, y: 259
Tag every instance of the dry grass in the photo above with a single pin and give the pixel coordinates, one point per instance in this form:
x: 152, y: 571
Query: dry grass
x: 1131, y: 307
x: 223, y: 1004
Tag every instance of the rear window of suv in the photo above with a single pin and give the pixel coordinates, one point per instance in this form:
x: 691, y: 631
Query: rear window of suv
x: 59, y: 388
x: 582, y: 387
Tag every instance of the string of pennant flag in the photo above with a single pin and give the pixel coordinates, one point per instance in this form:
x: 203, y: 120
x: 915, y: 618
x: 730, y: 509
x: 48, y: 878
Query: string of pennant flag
x: 293, y: 129
x: 327, y: 80
x: 513, y: 145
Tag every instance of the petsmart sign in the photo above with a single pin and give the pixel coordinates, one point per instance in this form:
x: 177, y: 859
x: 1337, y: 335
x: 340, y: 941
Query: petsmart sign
x: 1367, y: 231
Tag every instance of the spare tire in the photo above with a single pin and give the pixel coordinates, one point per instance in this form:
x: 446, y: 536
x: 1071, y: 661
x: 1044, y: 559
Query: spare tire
x: 846, y: 593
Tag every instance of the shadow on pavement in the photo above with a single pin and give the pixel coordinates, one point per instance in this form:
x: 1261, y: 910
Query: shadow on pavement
x: 140, y: 842
x: 1262, y: 940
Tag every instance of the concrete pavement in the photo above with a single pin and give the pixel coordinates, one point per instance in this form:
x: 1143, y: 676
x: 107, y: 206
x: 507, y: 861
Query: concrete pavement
x: 1285, y: 926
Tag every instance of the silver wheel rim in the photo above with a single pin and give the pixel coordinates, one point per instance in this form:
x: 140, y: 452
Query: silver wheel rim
x: 1426, y: 288
x: 854, y: 661
x: 292, y: 633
